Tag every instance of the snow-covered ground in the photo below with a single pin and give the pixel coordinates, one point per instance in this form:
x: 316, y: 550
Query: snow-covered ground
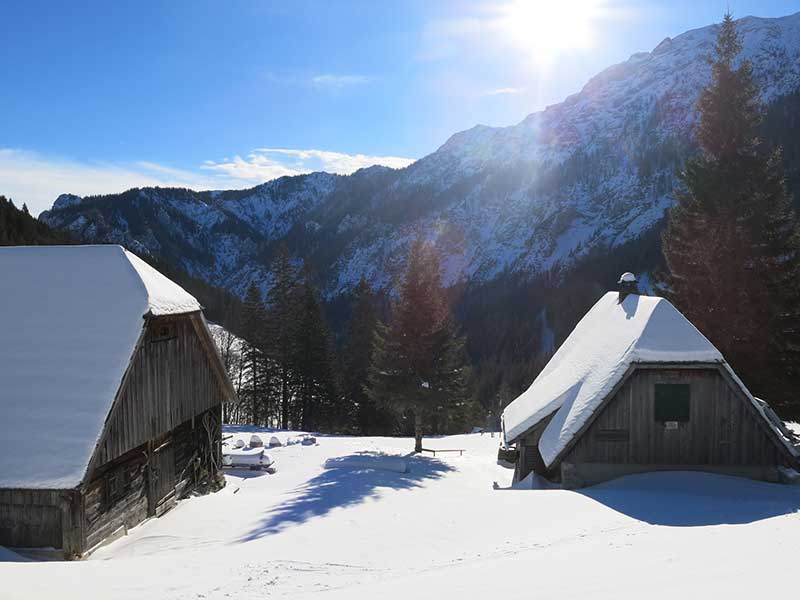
x: 439, y: 530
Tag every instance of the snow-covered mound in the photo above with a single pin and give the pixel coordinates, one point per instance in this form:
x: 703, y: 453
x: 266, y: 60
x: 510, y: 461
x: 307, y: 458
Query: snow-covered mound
x: 70, y: 319
x: 594, y: 171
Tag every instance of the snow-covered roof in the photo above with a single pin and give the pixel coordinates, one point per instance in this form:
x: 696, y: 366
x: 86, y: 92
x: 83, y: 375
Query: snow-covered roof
x: 595, y: 357
x: 70, y: 318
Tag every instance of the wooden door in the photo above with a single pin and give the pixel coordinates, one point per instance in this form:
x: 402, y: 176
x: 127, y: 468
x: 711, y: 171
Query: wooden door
x: 161, y: 477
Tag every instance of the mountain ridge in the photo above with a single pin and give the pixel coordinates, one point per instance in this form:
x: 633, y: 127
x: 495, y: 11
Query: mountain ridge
x: 594, y: 171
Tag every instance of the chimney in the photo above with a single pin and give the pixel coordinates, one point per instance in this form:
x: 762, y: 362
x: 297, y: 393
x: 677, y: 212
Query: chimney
x: 627, y: 285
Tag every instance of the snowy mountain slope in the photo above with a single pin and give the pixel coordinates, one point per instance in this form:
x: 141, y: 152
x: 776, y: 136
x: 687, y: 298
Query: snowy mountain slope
x: 594, y: 171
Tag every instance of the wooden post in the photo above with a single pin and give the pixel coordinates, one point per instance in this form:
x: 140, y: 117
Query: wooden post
x: 417, y: 431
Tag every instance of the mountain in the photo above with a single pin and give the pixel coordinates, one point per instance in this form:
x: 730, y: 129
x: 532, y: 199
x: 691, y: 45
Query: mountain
x: 594, y: 171
x: 534, y: 220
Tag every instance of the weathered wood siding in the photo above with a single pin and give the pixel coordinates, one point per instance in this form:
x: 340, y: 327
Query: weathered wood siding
x: 723, y: 427
x: 198, y: 451
x: 41, y: 519
x: 170, y: 380
x: 161, y: 439
x: 106, y: 513
x: 30, y: 518
x: 530, y: 458
x: 152, y: 477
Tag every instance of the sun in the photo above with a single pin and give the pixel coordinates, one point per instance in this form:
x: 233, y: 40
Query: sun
x: 547, y: 28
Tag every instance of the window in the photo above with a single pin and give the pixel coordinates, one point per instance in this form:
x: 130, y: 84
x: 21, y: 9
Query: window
x: 672, y: 402
x: 113, y: 489
x: 116, y: 483
x: 162, y: 332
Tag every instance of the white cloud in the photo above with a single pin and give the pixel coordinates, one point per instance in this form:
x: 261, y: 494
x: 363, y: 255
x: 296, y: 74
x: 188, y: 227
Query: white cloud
x: 34, y: 179
x: 331, y: 81
x: 255, y: 168
x: 37, y: 180
x: 322, y: 81
x: 503, y: 91
x: 268, y: 163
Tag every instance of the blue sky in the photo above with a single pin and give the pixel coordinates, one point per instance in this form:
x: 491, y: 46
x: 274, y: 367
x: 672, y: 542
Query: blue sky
x: 102, y: 96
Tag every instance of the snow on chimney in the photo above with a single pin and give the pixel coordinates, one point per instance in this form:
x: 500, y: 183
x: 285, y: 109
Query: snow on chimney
x: 627, y: 285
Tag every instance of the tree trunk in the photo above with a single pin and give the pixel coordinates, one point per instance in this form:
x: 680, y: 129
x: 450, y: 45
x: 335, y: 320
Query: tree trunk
x: 284, y: 399
x: 254, y: 367
x: 417, y: 432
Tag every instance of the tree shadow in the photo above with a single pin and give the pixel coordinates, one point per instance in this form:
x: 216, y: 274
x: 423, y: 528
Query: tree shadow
x: 342, y: 486
x: 693, y: 499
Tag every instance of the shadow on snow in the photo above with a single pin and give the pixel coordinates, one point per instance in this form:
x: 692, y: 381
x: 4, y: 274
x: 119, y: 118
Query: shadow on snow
x: 339, y: 487
x: 691, y: 499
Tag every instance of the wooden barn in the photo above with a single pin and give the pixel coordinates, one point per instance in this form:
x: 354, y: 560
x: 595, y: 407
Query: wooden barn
x: 635, y: 388
x: 111, y: 391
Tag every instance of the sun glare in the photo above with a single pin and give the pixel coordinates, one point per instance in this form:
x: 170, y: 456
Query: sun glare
x: 546, y: 28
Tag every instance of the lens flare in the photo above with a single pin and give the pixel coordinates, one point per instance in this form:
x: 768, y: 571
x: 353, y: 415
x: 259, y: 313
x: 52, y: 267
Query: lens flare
x: 546, y: 28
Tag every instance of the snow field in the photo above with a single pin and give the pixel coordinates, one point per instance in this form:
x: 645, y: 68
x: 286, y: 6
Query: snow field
x: 439, y: 531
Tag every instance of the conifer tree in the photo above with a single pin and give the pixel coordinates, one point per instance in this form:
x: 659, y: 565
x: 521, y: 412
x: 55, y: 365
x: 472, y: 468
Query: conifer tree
x: 232, y: 351
x: 371, y: 418
x: 282, y: 325
x: 731, y: 243
x: 18, y: 226
x: 317, y: 395
x: 254, y: 387
x: 418, y: 362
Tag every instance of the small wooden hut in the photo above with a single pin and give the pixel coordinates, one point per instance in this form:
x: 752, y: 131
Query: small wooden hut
x: 111, y: 390
x: 634, y: 388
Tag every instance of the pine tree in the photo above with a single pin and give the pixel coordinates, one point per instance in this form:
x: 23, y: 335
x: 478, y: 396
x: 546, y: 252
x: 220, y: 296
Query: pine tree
x: 731, y: 243
x: 317, y: 391
x: 282, y: 325
x: 418, y: 362
x: 232, y: 350
x: 20, y: 227
x: 370, y: 417
x: 255, y: 385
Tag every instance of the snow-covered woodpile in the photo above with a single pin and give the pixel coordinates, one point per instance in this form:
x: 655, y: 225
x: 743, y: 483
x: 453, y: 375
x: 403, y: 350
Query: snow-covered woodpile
x: 115, y: 364
x: 636, y: 387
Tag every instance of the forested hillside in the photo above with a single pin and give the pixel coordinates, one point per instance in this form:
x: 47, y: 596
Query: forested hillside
x: 18, y: 227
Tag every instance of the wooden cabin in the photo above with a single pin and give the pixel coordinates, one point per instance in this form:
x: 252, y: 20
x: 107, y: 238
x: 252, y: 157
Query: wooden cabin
x: 111, y: 391
x: 636, y: 388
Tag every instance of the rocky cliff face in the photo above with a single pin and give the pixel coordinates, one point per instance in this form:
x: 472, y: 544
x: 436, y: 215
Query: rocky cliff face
x: 592, y: 172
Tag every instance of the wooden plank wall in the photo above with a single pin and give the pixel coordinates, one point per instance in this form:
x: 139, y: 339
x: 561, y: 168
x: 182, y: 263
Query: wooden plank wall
x: 198, y: 455
x: 171, y: 380
x: 722, y: 428
x: 31, y: 518
x: 530, y: 458
x: 103, y: 517
x: 155, y: 475
x: 170, y: 385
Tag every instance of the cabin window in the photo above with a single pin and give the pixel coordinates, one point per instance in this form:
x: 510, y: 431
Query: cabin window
x: 672, y: 402
x: 163, y: 332
x: 114, y: 486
